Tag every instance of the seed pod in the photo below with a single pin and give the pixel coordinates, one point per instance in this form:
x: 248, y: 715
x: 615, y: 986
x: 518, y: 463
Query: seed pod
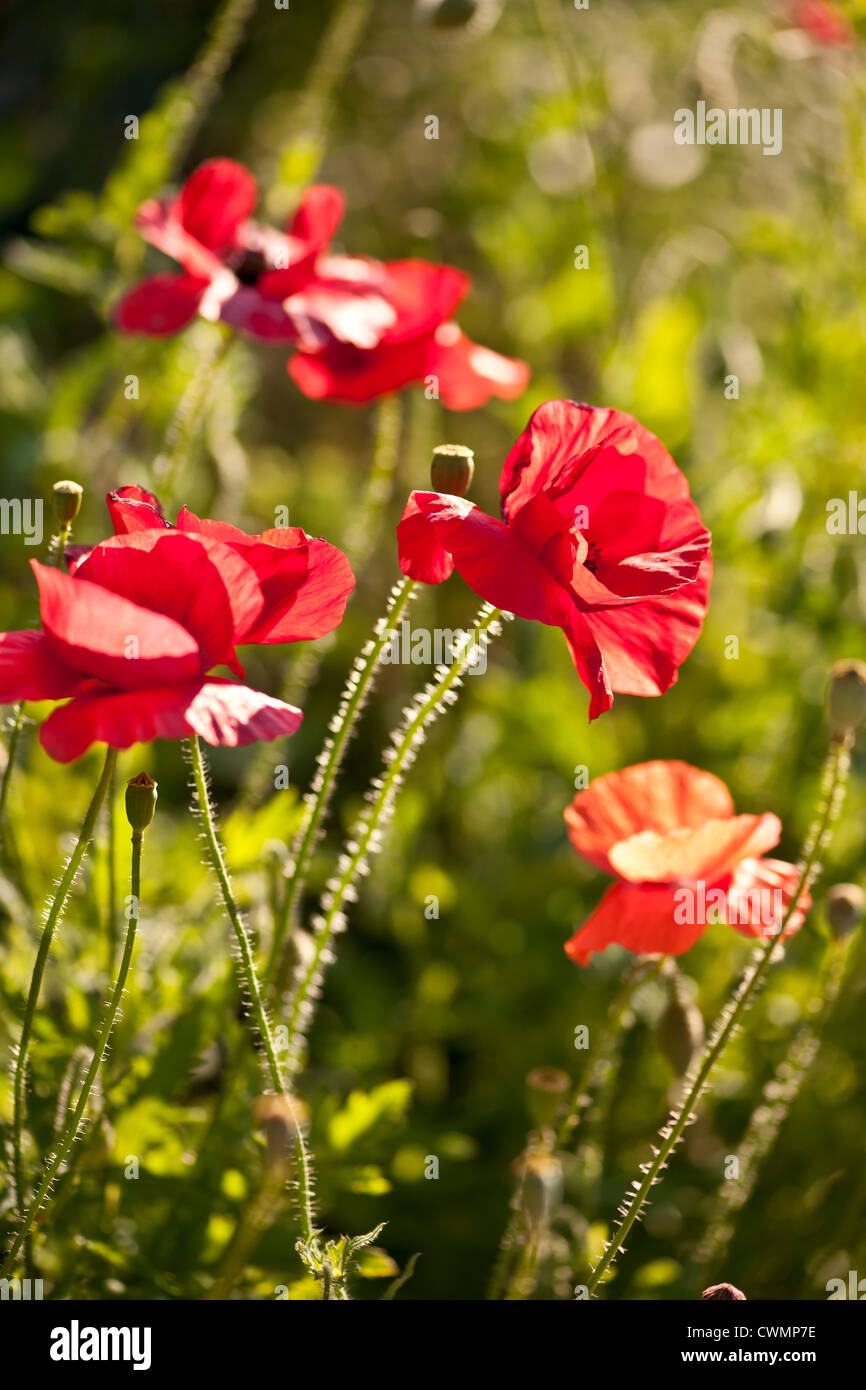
x: 846, y: 699
x: 66, y: 498
x: 844, y: 906
x: 452, y: 469
x: 722, y: 1292
x: 541, y: 1187
x: 141, y: 796
x: 546, y: 1087
x: 472, y: 16
x: 280, y: 1117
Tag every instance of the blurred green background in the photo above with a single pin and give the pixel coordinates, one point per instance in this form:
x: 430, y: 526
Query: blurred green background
x: 554, y: 133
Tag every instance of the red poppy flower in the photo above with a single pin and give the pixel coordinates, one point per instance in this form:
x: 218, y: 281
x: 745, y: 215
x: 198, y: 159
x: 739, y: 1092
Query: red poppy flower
x: 683, y: 858
x: 255, y: 278
x: 306, y: 581
x: 822, y: 21
x: 132, y: 633
x: 422, y: 344
x: 600, y: 538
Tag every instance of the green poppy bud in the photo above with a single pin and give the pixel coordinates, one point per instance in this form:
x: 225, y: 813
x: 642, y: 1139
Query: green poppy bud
x: 847, y: 697
x: 452, y: 468
x: 541, y: 1187
x: 546, y: 1088
x: 844, y: 907
x: 140, y: 801
x: 67, y: 501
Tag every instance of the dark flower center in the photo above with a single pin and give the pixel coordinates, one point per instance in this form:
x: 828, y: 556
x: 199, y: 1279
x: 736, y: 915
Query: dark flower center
x: 249, y: 266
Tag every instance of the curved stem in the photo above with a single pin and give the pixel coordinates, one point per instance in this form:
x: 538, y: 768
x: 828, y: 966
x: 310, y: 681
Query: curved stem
x: 351, y: 703
x: 71, y: 1130
x: 836, y: 771
x: 366, y: 833
x: 777, y: 1098
x: 55, y: 911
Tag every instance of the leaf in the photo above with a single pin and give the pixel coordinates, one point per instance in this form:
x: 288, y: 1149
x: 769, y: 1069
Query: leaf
x: 365, y: 1109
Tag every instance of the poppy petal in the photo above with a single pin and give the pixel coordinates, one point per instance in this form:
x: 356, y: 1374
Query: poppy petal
x: 659, y: 795
x: 30, y: 669
x: 220, y: 712
x: 494, y: 562
x: 107, y: 636
x: 215, y: 200
x: 162, y: 305
x: 206, y: 586
x: 133, y: 508
x: 644, y: 644
x: 759, y: 895
x: 319, y: 600
x: 640, y: 917
x: 703, y: 853
x: 469, y: 374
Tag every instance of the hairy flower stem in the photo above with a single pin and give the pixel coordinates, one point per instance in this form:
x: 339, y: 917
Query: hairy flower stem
x: 249, y: 977
x: 188, y: 419
x: 833, y: 791
x: 352, y: 701
x: 365, y: 837
x: 777, y: 1098
x: 74, y: 1121
x: 514, y: 1273
x: 55, y: 912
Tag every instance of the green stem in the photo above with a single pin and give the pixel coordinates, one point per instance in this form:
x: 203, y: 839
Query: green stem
x: 249, y: 976
x: 55, y: 912
x: 245, y: 951
x: 68, y: 1137
x: 836, y: 771
x: 766, y: 1121
x: 351, y: 703
x: 366, y: 832
x: 513, y: 1282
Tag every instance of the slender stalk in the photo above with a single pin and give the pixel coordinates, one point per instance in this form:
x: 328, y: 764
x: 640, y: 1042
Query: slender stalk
x: 835, y: 775
x: 342, y: 726
x: 777, y: 1098
x: 67, y: 1139
x: 514, y: 1272
x: 366, y: 834
x: 188, y: 419
x: 55, y: 912
x: 249, y: 976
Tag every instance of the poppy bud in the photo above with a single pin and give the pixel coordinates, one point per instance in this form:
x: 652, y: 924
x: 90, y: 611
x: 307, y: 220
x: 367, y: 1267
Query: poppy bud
x: 67, y: 500
x: 452, y: 468
x: 844, y: 906
x: 723, y: 1292
x: 847, y: 697
x: 540, y: 1188
x: 280, y: 1117
x: 140, y: 801
x: 546, y: 1087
